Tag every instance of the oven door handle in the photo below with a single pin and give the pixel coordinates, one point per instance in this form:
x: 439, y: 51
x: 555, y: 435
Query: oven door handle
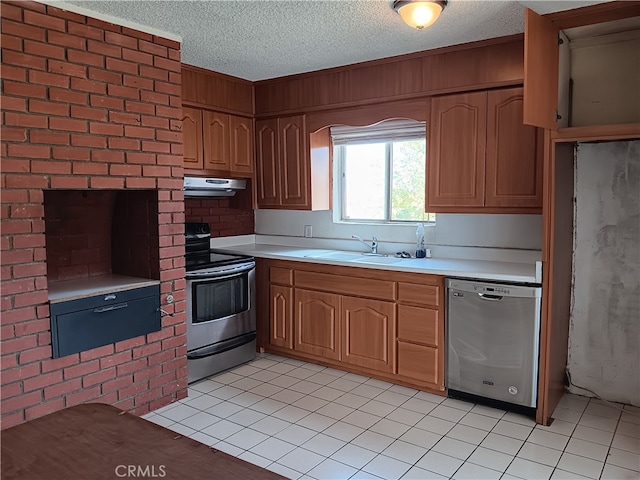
x: 222, y: 347
x: 220, y: 272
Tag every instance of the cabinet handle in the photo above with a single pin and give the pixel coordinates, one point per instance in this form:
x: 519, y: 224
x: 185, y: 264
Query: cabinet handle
x: 110, y: 308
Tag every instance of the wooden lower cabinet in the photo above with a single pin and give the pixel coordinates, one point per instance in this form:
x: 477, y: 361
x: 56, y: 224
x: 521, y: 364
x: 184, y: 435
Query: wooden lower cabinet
x: 281, y: 316
x: 368, y: 333
x: 419, y: 362
x: 317, y: 329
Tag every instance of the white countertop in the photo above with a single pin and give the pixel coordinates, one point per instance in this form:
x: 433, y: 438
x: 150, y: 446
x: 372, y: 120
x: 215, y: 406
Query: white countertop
x: 90, y: 286
x: 478, y: 269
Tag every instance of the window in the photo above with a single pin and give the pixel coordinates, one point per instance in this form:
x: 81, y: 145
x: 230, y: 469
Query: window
x: 381, y: 172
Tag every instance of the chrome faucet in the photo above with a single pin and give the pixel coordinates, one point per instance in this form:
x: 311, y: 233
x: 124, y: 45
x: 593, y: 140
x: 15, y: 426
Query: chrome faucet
x: 374, y: 243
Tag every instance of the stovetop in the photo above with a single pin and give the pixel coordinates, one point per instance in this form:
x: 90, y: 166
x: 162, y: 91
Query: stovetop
x: 202, y: 260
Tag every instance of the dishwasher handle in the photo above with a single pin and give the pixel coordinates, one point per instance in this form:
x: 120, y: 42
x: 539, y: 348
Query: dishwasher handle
x: 490, y: 298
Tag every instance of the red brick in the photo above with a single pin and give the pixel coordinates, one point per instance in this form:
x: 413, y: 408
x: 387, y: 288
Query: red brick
x: 124, y: 143
x: 17, y: 344
x: 19, y: 74
x: 42, y: 49
x: 148, y: 373
x: 117, y: 384
x: 123, y: 117
x: 35, y: 354
x: 66, y: 40
x: 11, y: 390
x: 122, y: 66
x: 62, y: 388
x: 14, y: 196
x: 98, y: 182
x: 131, y: 390
x: 42, y: 380
x: 13, y: 419
x: 18, y: 286
x: 24, y: 90
x: 57, y: 363
x: 104, y: 25
x: 85, y: 31
x: 172, y: 44
x: 44, y: 409
x: 105, y: 76
x: 33, y: 5
x: 19, y: 403
x: 88, y: 113
x: 104, y: 48
x: 25, y: 241
x: 167, y: 64
x: 174, y: 55
x: 82, y: 396
x: 106, y: 129
x: 152, y: 48
x: 121, y: 40
x: 21, y: 271
x: 13, y: 134
x: 45, y: 78
x: 66, y: 96
x: 22, y: 30
x: 29, y: 299
x: 65, y: 68
x: 69, y: 182
x: 94, y: 140
x: 115, y: 359
x: 97, y: 352
x: 139, y: 132
x: 85, y: 58
x: 111, y: 103
x: 11, y: 11
x: 53, y: 138
x: 107, y: 156
x: 138, y: 107
x: 169, y: 88
x: 165, y: 136
x: 56, y: 12
x: 126, y: 92
x: 137, y: 82
x: 125, y: 170
x: 140, y: 183
x: 137, y: 56
x: 90, y: 168
x: 132, y: 366
x: 98, y: 377
x: 15, y: 226
x: 45, y: 21
x: 175, y: 78
x: 81, y: 369
x: 143, y: 158
x: 71, y: 153
x: 28, y: 151
x: 156, y: 147
x: 157, y: 122
x: 27, y: 211
x: 88, y: 85
x: 15, y: 166
x: 155, y: 171
x: 153, y: 97
x: 67, y: 124
x: 153, y: 72
x: 49, y: 108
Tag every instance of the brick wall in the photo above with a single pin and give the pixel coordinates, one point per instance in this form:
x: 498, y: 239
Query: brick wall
x: 227, y: 216
x: 85, y: 105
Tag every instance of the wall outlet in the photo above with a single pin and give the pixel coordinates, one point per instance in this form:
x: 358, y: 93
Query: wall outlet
x: 308, y: 232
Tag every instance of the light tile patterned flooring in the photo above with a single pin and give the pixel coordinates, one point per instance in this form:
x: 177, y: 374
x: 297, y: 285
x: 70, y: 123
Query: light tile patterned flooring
x: 306, y: 421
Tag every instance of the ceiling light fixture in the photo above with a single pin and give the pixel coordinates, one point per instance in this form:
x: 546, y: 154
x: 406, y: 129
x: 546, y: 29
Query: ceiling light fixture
x: 419, y: 14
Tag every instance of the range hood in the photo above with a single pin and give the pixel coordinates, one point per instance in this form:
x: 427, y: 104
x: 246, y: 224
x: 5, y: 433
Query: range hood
x: 212, y: 187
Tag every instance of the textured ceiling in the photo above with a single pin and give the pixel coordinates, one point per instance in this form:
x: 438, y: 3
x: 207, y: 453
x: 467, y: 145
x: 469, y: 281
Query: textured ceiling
x: 260, y: 39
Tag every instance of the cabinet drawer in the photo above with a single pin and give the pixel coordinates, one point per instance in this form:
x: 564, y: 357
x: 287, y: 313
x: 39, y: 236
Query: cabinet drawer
x: 417, y: 324
x: 356, y: 286
x: 283, y: 276
x: 418, y: 362
x: 419, y: 294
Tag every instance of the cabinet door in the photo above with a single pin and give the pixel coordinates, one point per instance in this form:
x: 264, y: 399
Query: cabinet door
x: 267, y: 163
x: 280, y: 316
x: 317, y: 329
x: 421, y: 363
x: 368, y: 333
x: 541, y: 66
x: 216, y: 140
x: 514, y: 154
x: 241, y: 144
x: 455, y: 161
x: 192, y: 137
x: 295, y: 179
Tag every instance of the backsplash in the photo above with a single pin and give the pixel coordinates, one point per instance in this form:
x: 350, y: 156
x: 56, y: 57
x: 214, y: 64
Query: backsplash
x: 226, y: 216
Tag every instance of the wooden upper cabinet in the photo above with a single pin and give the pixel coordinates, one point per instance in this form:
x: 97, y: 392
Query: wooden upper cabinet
x: 267, y: 154
x: 455, y: 159
x: 541, y: 65
x: 216, y: 141
x: 241, y: 144
x: 514, y: 153
x: 293, y: 165
x: 192, y: 137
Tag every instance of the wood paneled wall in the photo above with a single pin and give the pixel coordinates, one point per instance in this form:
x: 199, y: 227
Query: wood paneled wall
x: 481, y: 65
x: 205, y: 88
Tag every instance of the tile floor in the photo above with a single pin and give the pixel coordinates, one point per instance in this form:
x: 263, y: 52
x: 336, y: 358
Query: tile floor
x: 306, y: 421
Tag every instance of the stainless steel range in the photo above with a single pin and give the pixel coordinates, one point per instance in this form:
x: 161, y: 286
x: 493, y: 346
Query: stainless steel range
x: 221, y: 319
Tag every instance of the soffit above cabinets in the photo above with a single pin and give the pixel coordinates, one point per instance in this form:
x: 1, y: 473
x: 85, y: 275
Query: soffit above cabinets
x: 261, y: 39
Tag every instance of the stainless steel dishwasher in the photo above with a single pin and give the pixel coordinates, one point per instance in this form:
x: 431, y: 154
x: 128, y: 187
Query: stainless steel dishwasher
x: 493, y: 342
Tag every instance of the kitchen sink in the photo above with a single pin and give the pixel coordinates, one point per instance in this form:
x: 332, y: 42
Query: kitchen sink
x: 342, y: 256
x: 378, y: 260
